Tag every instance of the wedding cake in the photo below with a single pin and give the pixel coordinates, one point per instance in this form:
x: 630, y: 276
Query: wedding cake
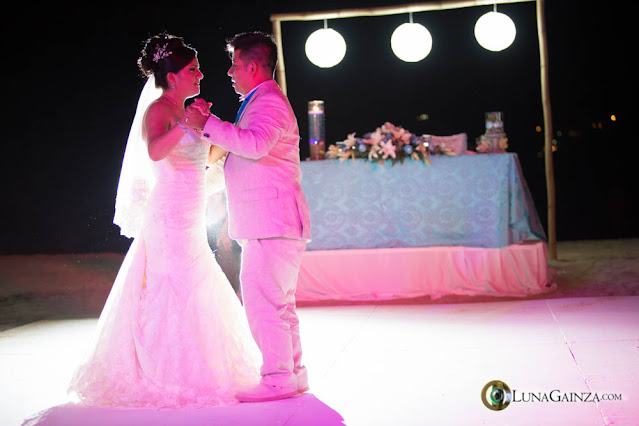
x: 494, y: 139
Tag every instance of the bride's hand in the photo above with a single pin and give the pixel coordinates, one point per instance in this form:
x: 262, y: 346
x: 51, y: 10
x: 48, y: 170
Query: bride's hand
x: 201, y: 106
x: 196, y: 114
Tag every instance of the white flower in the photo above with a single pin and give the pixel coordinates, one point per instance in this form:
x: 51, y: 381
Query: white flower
x: 372, y: 153
x: 350, y: 141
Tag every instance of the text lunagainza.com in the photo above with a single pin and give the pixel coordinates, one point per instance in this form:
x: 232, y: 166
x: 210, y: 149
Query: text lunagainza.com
x: 558, y: 396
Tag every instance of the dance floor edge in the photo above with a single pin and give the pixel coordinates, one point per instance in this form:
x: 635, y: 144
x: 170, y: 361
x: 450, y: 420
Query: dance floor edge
x: 376, y: 364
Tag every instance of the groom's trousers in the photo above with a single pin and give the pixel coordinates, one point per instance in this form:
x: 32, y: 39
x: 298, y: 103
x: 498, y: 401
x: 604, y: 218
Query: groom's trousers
x: 268, y: 277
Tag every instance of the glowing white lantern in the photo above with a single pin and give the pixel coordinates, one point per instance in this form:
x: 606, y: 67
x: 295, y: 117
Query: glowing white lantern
x: 411, y: 42
x: 325, y: 48
x: 495, y: 31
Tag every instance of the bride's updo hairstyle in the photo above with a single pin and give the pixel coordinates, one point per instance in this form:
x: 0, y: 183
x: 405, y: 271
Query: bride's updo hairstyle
x: 162, y: 54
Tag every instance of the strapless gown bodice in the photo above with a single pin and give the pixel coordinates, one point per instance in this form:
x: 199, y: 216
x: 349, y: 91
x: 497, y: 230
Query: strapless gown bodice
x: 175, y: 222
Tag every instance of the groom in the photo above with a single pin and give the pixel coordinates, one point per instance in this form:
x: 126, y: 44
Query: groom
x: 268, y: 213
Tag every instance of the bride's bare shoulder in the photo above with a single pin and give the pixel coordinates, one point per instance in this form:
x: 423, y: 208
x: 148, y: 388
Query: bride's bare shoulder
x: 157, y: 119
x: 158, y: 108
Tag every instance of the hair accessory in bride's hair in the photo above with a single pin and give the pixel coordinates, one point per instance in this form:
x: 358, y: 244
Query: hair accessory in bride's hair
x: 161, y: 53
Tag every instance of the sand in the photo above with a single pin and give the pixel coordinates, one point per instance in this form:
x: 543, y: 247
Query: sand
x: 36, y: 287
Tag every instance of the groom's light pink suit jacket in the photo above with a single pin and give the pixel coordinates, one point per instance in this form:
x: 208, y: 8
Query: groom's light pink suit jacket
x: 262, y: 170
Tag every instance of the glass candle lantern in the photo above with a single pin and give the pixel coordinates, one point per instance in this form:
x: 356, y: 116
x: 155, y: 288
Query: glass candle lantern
x: 316, y: 126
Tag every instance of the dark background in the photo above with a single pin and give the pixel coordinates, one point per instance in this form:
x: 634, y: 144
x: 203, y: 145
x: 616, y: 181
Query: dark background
x: 71, y: 84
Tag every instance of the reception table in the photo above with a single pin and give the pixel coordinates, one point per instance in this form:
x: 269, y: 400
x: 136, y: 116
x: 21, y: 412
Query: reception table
x: 460, y: 225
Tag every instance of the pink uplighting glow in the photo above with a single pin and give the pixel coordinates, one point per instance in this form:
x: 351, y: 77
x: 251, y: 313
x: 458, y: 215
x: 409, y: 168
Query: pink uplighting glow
x: 376, y: 364
x: 516, y: 270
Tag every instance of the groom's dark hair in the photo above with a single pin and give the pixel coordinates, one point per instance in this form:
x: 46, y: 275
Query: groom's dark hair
x: 255, y: 47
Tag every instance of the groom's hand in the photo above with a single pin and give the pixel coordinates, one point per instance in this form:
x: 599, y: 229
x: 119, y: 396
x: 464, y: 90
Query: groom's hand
x: 196, y: 114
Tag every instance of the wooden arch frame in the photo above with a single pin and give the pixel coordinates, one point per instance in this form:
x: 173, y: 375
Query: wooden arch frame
x: 277, y: 20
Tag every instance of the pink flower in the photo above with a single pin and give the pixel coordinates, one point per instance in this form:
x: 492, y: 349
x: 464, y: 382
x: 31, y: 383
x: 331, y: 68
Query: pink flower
x: 375, y: 139
x: 400, y: 134
x: 388, y: 149
x: 388, y: 128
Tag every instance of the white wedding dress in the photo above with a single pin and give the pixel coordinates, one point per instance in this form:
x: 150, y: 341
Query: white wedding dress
x: 172, y: 333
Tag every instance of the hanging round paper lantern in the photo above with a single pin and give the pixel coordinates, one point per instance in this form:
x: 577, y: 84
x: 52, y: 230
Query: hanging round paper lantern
x: 411, y: 42
x: 325, y: 48
x: 495, y: 31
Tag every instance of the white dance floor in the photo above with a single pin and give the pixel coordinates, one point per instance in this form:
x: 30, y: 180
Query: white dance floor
x: 386, y: 364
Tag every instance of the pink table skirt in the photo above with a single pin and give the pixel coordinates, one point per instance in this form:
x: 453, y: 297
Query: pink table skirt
x: 397, y: 273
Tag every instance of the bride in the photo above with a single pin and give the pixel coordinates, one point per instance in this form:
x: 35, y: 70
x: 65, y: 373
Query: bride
x: 172, y: 333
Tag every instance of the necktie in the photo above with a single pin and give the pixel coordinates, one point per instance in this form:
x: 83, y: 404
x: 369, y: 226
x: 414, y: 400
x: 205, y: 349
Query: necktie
x: 244, y: 103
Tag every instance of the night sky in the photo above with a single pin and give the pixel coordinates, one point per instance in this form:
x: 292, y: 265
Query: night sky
x: 72, y: 83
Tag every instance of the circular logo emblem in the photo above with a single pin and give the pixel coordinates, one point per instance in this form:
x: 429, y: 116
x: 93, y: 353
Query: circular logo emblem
x: 496, y: 395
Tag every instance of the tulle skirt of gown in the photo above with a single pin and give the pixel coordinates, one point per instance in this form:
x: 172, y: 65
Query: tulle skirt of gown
x: 173, y: 333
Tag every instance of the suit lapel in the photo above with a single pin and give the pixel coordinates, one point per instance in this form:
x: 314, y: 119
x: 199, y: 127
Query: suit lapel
x: 261, y: 88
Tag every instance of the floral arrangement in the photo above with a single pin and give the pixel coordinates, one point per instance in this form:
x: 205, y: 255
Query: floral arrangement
x: 388, y: 142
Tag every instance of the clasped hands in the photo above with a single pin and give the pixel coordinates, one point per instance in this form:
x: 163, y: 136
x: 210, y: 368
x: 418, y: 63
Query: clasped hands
x: 196, y: 114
